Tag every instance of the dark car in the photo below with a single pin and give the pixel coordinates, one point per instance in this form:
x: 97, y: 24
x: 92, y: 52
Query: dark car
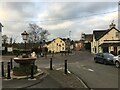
x: 105, y: 58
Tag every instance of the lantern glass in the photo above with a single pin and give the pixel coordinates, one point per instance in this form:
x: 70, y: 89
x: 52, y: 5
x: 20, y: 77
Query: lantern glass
x: 25, y: 35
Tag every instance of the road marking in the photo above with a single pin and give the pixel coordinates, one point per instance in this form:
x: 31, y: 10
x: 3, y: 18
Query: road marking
x: 82, y: 65
x: 69, y: 72
x: 59, y: 68
x: 82, y: 82
x: 90, y: 70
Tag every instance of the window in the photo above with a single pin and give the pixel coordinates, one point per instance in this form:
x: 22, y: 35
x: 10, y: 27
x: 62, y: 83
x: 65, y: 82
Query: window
x: 63, y: 48
x: 63, y: 44
x: 117, y: 35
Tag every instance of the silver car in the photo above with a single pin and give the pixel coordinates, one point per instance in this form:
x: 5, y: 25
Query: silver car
x: 117, y: 61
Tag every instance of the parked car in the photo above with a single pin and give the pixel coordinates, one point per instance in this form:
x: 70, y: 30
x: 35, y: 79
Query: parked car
x: 117, y: 61
x: 105, y: 58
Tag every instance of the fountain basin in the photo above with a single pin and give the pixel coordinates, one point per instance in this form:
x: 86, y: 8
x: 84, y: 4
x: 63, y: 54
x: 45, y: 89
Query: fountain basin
x: 24, y: 60
x: 24, y: 67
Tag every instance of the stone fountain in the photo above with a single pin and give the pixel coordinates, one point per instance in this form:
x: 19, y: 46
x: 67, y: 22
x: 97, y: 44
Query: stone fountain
x: 25, y: 63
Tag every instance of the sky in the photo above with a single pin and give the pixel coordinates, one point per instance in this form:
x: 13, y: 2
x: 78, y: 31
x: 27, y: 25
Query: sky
x: 61, y: 19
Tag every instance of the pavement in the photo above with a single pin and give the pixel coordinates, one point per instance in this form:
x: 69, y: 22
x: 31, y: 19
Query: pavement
x: 50, y: 79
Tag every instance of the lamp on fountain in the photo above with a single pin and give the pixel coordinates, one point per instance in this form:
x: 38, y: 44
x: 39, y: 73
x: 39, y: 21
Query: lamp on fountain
x: 25, y: 36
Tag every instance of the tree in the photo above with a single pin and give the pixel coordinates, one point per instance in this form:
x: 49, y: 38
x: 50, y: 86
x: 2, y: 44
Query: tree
x: 37, y: 34
x: 4, y: 39
x: 11, y: 40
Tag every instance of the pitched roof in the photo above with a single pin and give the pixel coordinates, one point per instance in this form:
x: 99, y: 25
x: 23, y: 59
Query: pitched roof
x: 1, y: 24
x: 54, y: 40
x: 64, y: 39
x: 1, y: 27
x: 100, y: 33
x: 88, y: 37
x: 48, y: 42
x: 97, y: 34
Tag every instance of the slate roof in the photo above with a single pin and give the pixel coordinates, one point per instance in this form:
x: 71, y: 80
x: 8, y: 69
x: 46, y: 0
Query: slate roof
x: 100, y: 33
x: 97, y: 34
x: 88, y: 37
x: 48, y: 42
x: 55, y: 39
x: 1, y: 27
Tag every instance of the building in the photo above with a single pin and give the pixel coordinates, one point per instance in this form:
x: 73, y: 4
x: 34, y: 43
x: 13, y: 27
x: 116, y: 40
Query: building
x: 79, y: 45
x: 59, y: 44
x: 56, y: 45
x: 1, y: 38
x: 87, y: 39
x: 106, y: 40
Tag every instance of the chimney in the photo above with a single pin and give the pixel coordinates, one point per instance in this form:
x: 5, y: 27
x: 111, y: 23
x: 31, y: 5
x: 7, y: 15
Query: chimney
x: 112, y: 24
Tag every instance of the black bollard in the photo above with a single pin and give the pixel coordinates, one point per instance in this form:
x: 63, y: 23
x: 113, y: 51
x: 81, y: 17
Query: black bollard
x: 2, y: 68
x: 65, y: 67
x: 11, y: 63
x: 53, y: 54
x: 32, y: 71
x: 51, y: 64
x: 8, y: 69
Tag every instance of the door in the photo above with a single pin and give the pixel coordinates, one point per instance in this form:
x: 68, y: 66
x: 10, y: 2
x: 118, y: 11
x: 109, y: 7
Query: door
x: 115, y: 50
x: 105, y: 49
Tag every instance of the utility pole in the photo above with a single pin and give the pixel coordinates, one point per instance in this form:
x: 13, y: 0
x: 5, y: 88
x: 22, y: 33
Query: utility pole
x: 69, y: 34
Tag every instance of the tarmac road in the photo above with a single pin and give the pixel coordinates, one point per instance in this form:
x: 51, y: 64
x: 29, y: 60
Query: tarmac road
x: 95, y: 75
x: 81, y: 63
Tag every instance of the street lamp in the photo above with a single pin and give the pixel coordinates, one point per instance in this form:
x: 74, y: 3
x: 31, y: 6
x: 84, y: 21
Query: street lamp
x: 25, y: 36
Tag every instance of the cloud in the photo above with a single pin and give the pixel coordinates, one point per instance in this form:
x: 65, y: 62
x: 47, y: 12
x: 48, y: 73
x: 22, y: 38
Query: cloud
x: 76, y: 9
x: 57, y: 18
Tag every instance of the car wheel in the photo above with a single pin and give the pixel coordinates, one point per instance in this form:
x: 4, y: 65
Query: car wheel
x: 117, y: 64
x: 105, y: 62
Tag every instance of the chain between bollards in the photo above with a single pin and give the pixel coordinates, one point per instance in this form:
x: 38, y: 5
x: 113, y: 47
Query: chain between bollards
x: 65, y: 67
x: 2, y: 69
x: 51, y: 64
x: 8, y: 71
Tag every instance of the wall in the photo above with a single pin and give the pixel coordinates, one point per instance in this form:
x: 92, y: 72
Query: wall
x: 111, y: 35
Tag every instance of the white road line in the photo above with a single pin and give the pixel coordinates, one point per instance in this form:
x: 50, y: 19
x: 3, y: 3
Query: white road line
x: 82, y: 65
x: 59, y: 68
x: 69, y: 72
x: 90, y: 70
x: 82, y: 82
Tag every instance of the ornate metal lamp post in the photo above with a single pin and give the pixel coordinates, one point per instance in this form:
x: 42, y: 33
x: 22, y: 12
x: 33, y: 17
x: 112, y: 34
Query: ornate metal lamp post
x: 25, y: 62
x: 25, y: 36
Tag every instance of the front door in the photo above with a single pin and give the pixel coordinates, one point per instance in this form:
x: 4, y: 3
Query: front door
x: 105, y: 49
x: 115, y: 50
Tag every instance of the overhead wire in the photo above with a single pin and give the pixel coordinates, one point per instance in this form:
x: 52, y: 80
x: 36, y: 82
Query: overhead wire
x: 61, y: 19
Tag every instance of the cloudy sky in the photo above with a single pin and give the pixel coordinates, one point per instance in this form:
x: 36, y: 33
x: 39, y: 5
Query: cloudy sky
x: 59, y: 18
